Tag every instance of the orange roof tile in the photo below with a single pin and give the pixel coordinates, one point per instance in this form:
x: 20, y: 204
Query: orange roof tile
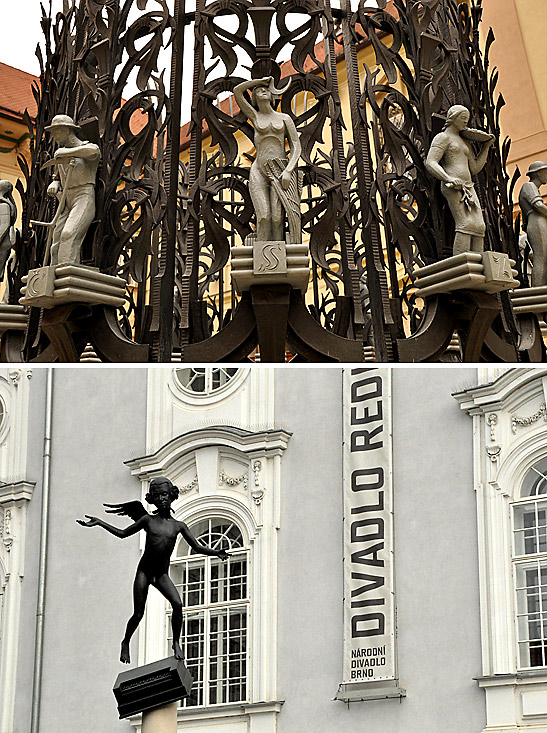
x: 16, y: 92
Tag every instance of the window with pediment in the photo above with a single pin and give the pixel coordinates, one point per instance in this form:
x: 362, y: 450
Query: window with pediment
x: 215, y: 596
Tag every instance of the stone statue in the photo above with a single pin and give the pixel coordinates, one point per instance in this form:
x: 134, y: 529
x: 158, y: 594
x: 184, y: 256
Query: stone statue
x: 8, y: 216
x: 162, y: 531
x: 534, y: 220
x: 76, y: 163
x: 274, y: 182
x: 452, y: 161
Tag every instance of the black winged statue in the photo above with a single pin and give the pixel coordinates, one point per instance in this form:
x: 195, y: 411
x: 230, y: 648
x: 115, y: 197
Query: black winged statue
x: 162, y: 531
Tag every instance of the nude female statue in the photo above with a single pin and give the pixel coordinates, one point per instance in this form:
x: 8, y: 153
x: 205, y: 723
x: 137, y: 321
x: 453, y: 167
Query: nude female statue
x: 534, y: 220
x: 162, y: 531
x: 452, y: 161
x: 274, y: 183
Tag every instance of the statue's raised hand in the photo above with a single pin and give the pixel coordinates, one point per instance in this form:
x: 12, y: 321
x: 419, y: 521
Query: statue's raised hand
x: 223, y: 555
x: 92, y: 521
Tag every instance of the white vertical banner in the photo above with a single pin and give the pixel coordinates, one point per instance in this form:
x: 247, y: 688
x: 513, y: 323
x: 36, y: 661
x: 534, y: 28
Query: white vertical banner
x: 369, y: 599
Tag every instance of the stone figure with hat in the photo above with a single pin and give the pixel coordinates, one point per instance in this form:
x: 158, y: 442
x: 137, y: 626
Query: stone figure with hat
x: 534, y: 220
x: 451, y: 160
x: 76, y: 162
x: 8, y: 216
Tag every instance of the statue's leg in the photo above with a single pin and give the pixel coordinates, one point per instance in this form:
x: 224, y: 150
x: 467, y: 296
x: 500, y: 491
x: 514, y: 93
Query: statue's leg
x: 477, y: 244
x: 278, y: 216
x: 462, y: 243
x: 57, y: 233
x: 80, y: 217
x: 140, y: 593
x: 259, y: 188
x: 539, y: 270
x: 167, y: 588
x: 5, y: 249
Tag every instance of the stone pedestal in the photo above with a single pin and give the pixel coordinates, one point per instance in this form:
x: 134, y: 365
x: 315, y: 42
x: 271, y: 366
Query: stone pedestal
x: 270, y: 263
x: 530, y: 300
x: 48, y: 287
x: 160, y: 720
x: 12, y: 318
x: 154, y: 687
x: 490, y: 272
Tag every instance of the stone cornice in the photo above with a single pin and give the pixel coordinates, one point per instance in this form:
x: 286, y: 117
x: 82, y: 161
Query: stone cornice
x: 16, y: 491
x: 254, y: 444
x: 492, y: 396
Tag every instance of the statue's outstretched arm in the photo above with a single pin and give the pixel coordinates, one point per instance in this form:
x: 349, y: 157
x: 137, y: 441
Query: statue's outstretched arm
x: 87, y: 151
x: 198, y: 547
x: 116, y: 531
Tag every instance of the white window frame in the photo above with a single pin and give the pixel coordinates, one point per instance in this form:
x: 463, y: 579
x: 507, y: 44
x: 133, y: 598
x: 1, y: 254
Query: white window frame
x: 209, y: 397
x: 208, y: 608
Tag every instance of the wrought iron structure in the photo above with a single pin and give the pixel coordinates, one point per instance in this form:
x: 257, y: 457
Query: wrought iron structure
x: 371, y: 214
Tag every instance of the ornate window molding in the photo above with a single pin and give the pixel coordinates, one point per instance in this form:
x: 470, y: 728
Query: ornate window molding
x: 212, y: 454
x: 503, y: 456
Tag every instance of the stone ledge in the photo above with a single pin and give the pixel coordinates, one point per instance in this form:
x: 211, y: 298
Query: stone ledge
x: 489, y: 272
x: 530, y: 300
x: 15, y: 491
x: 48, y: 287
x: 12, y: 317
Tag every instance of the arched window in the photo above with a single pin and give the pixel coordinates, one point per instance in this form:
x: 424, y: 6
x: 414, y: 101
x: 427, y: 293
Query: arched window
x: 205, y: 380
x: 530, y: 567
x: 215, y: 596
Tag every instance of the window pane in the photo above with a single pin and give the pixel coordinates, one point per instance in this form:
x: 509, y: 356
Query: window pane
x: 535, y: 482
x: 194, y: 656
x: 195, y: 585
x: 531, y: 588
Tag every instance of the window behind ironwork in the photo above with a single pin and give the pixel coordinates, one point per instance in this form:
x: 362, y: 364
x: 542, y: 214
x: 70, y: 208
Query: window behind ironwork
x: 215, y: 597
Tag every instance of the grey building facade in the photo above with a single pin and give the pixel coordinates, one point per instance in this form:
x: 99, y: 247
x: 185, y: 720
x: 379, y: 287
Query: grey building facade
x: 259, y: 457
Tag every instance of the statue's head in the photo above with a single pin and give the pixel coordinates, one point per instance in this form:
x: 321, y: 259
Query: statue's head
x: 161, y: 491
x: 457, y: 115
x: 538, y: 169
x: 268, y: 92
x: 62, y: 127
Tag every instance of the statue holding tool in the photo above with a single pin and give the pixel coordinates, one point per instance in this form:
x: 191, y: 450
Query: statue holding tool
x: 76, y: 162
x: 8, y: 216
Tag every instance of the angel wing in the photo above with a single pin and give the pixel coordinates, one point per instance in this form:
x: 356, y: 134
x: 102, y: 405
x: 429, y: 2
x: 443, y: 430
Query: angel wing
x: 133, y: 509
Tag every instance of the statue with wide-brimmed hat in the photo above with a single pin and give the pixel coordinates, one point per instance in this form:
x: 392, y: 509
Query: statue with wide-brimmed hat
x: 534, y: 220
x: 75, y: 162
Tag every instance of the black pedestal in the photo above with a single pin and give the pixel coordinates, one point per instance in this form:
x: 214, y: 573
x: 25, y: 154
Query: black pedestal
x: 151, y: 686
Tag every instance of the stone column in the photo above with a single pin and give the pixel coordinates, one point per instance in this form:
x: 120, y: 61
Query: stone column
x: 160, y: 720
